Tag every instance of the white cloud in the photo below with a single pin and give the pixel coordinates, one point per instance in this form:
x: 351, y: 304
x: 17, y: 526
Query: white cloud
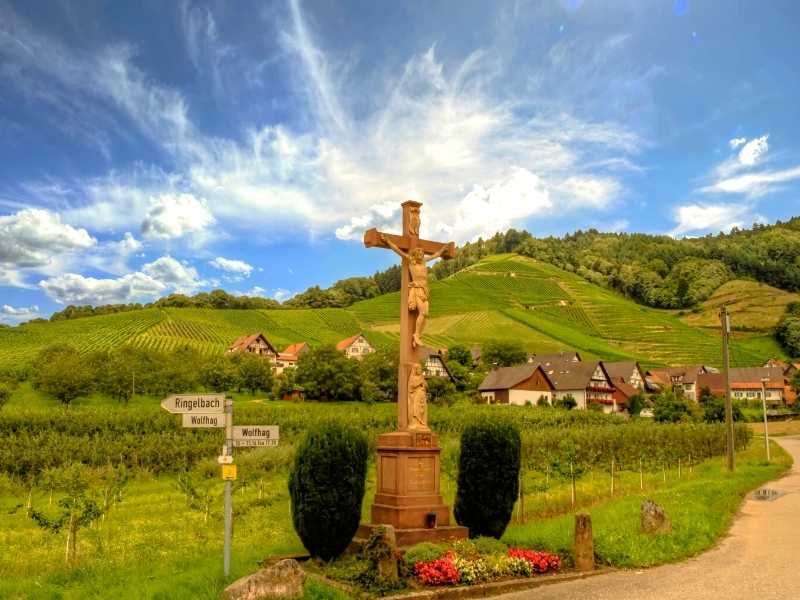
x: 282, y: 295
x: 173, y: 216
x: 753, y: 185
x: 595, y: 192
x: 736, y: 142
x: 72, y: 288
x: 753, y: 150
x: 34, y: 237
x: 128, y: 244
x: 432, y: 131
x: 154, y: 279
x: 711, y: 217
x: 173, y: 274
x: 382, y: 216
x: 485, y: 211
x: 10, y: 314
x: 237, y: 267
x: 256, y: 291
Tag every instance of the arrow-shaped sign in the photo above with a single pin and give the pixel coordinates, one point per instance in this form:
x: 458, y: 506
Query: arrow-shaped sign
x: 194, y: 403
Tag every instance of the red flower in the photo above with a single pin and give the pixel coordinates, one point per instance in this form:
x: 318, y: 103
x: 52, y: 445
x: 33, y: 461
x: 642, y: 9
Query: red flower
x: 437, y: 572
x: 542, y: 562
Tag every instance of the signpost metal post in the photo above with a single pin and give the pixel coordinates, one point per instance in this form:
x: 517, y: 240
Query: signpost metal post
x: 226, y: 552
x: 216, y: 411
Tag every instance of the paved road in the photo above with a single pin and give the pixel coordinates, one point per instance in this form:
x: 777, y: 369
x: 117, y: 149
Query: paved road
x: 759, y: 560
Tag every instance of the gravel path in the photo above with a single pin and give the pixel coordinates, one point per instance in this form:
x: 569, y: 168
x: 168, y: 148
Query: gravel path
x: 759, y: 560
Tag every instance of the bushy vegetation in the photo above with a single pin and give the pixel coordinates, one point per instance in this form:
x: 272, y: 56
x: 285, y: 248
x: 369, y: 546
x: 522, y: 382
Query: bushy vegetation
x: 326, y: 485
x: 488, y: 477
x: 658, y: 271
x: 788, y: 330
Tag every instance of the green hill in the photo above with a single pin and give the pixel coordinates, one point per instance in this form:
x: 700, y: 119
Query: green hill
x: 500, y: 297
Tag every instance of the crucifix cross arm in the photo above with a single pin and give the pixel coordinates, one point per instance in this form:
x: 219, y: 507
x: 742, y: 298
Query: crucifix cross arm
x: 403, y: 244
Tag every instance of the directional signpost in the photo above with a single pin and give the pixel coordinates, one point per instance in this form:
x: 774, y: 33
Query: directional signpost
x: 255, y: 436
x: 216, y: 411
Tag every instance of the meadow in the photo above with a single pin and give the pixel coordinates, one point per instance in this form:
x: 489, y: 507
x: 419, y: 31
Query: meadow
x: 503, y: 297
x: 157, y: 544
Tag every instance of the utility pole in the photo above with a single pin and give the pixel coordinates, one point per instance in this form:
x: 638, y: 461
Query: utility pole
x: 764, y: 381
x: 725, y: 319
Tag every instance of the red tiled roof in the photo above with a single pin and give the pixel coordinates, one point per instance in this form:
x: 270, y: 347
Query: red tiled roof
x: 347, y: 342
x: 296, y: 348
x: 245, y: 341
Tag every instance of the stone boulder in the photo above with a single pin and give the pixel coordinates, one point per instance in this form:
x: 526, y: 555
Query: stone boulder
x: 654, y: 519
x: 284, y: 579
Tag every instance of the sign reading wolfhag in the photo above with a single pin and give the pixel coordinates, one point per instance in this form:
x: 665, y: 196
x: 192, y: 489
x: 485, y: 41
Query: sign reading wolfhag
x: 255, y: 435
x: 198, y: 403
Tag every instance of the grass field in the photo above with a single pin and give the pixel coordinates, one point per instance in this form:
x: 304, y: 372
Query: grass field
x: 503, y: 297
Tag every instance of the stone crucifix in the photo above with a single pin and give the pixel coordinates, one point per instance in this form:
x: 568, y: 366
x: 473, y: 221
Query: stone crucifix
x: 414, y: 309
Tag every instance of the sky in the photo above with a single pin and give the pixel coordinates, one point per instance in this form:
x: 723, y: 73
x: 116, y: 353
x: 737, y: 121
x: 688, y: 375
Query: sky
x: 156, y: 147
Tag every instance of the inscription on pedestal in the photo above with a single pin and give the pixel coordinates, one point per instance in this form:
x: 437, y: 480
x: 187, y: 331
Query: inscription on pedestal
x: 421, y: 474
x: 423, y: 440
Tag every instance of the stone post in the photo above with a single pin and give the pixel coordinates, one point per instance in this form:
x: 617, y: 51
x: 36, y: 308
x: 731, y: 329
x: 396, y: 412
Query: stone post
x: 584, y: 545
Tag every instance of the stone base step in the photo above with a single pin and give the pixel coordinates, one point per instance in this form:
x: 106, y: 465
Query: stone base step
x: 409, y: 537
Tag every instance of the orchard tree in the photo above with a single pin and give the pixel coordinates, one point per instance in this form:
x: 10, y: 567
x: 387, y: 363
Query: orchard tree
x: 328, y: 375
x: 218, y: 373
x: 379, y: 375
x: 459, y: 354
x: 254, y: 372
x: 60, y: 372
x: 78, y: 509
x: 503, y: 354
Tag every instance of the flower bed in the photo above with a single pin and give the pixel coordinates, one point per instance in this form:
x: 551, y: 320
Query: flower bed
x: 474, y: 562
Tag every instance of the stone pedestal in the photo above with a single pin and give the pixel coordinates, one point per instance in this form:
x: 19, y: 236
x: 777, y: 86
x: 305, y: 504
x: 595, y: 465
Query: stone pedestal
x: 407, y: 495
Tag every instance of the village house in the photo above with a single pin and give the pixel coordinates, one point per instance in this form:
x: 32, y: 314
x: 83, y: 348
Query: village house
x: 627, y: 372
x: 433, y: 363
x: 682, y: 379
x: 356, y: 346
x: 789, y: 369
x: 255, y: 343
x: 520, y: 385
x: 749, y: 383
x: 586, y: 382
x: 558, y: 357
x: 289, y: 357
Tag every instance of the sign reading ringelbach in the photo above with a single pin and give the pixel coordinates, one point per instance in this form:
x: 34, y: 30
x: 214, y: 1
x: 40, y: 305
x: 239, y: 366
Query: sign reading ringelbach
x: 197, y: 403
x: 255, y: 435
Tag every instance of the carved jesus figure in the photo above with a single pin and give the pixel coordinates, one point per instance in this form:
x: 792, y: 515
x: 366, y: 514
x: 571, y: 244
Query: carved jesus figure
x: 417, y: 400
x: 418, y: 300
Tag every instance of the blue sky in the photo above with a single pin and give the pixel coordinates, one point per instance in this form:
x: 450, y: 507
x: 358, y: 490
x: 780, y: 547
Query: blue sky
x: 153, y: 147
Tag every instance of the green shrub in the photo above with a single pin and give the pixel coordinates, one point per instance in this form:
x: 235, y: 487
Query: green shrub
x: 488, y: 476
x: 490, y: 546
x: 326, y: 485
x: 566, y: 402
x: 422, y: 552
